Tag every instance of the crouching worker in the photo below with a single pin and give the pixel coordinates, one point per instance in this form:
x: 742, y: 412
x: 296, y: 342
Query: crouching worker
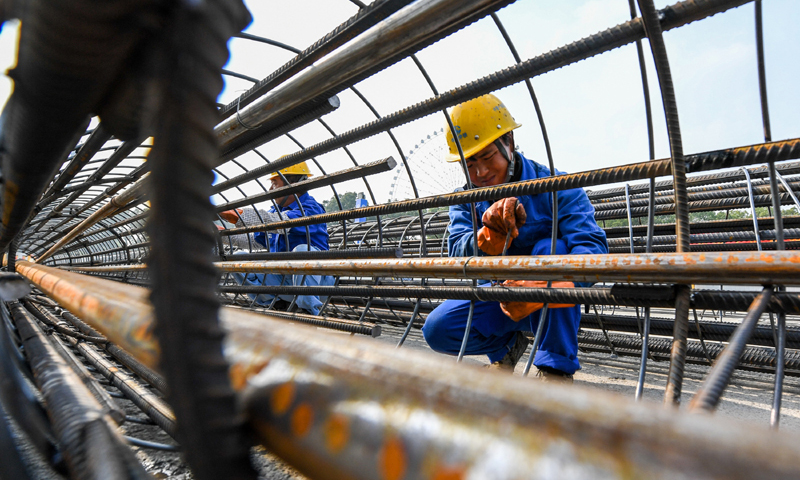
x: 485, y: 130
x: 276, y: 241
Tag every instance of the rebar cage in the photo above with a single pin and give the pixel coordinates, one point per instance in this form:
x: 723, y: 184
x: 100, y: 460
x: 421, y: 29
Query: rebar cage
x: 702, y: 219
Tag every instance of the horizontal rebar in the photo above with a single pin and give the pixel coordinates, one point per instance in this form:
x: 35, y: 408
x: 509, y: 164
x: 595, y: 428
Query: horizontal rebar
x: 628, y: 32
x: 311, y: 374
x: 768, y: 152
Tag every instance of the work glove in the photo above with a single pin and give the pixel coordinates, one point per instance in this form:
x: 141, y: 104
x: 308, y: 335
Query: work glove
x: 230, y: 215
x: 518, y: 310
x: 504, y: 216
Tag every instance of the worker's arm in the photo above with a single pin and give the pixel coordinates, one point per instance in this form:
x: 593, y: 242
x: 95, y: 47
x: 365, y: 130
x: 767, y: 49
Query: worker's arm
x: 461, y: 243
x: 576, y: 224
x: 577, y: 227
x: 247, y: 216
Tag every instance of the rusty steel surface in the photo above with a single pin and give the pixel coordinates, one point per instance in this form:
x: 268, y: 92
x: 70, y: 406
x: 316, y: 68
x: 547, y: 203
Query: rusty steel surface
x: 737, y: 267
x: 118, y: 311
x: 341, y: 407
x: 399, y: 412
x: 740, y: 268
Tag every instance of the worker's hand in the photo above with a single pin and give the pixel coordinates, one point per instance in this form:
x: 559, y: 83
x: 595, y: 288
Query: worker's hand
x: 504, y: 216
x: 518, y: 310
x: 230, y: 215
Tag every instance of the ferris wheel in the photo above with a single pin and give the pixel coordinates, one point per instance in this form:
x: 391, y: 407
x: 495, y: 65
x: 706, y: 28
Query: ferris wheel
x: 431, y: 174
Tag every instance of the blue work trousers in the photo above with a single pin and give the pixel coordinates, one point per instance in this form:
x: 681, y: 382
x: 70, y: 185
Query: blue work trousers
x: 309, y: 303
x: 493, y: 333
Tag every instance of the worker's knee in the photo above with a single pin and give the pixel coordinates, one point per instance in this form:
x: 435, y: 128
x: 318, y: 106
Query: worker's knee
x: 303, y: 247
x: 435, y: 329
x: 542, y: 247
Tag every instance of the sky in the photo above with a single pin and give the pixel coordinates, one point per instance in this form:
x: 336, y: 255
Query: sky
x: 593, y: 110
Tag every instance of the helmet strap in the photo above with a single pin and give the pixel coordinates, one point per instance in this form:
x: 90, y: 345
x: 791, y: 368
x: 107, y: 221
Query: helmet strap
x: 503, y: 148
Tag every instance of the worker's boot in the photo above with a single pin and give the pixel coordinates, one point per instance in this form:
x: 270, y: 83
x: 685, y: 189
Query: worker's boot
x: 509, y: 362
x: 551, y: 375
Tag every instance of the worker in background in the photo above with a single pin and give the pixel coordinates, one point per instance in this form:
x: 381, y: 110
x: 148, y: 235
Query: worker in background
x: 276, y: 241
x: 485, y: 130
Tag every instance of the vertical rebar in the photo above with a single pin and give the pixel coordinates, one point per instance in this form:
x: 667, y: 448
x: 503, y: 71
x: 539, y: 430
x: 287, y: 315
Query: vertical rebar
x: 718, y: 378
x: 652, y: 28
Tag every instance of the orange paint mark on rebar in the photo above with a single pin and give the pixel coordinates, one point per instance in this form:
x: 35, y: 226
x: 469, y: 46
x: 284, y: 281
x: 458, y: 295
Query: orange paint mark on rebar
x: 392, y: 459
x: 337, y: 432
x: 448, y: 473
x: 241, y: 372
x: 689, y: 260
x: 733, y: 259
x: 302, y: 419
x: 281, y: 398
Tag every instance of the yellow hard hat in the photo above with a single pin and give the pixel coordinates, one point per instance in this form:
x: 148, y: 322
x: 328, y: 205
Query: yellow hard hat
x: 478, y: 123
x: 297, y: 169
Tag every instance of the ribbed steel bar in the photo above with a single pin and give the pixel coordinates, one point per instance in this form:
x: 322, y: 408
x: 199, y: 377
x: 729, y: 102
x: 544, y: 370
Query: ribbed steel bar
x: 122, y: 152
x: 256, y: 136
x: 674, y: 16
x: 364, y: 19
x: 363, y: 414
x: 788, y: 189
x: 147, y: 374
x: 98, y: 392
x: 714, y: 331
x: 411, y: 28
x: 342, y: 325
x: 733, y: 157
x: 730, y: 225
x: 372, y: 168
x: 372, y: 252
x: 739, y: 268
x: 311, y: 379
x: 735, y: 236
x: 121, y: 355
x: 709, y: 395
x: 701, y: 206
x: 82, y: 156
x: 153, y: 406
x: 758, y: 359
x: 617, y: 295
x: 664, y: 187
x: 114, y: 206
x: 718, y: 192
x: 714, y: 247
x: 86, y: 435
x: 625, y: 294
x: 269, y: 357
x: 775, y: 414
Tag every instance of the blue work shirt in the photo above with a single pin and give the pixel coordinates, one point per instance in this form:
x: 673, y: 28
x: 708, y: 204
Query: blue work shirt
x: 576, y: 224
x: 297, y: 235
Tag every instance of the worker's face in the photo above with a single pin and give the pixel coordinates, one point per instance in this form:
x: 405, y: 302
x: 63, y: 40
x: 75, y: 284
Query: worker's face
x: 277, y: 182
x: 488, y: 167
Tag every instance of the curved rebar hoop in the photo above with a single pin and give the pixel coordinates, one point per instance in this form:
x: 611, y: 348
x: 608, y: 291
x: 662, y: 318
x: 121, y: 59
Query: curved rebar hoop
x: 652, y: 26
x: 403, y: 158
x: 752, y: 207
x: 554, y: 196
x: 115, y: 244
x: 469, y: 186
x: 780, y: 341
x: 258, y: 214
x: 333, y: 187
